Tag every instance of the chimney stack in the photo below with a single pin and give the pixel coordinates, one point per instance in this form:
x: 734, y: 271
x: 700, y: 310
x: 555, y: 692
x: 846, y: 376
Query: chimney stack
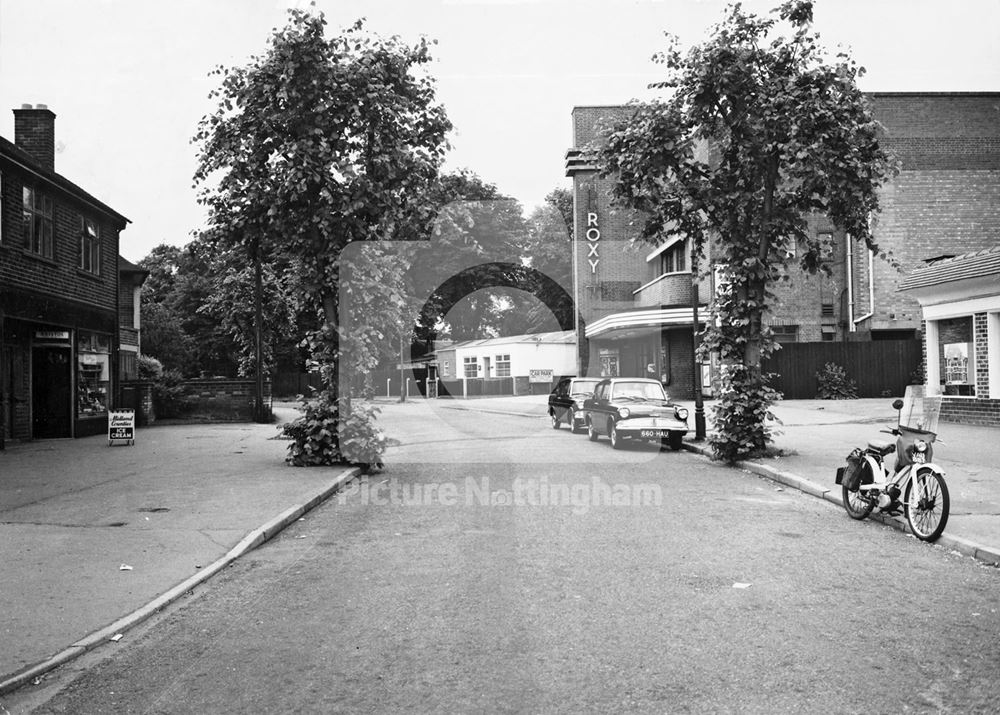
x: 35, y: 133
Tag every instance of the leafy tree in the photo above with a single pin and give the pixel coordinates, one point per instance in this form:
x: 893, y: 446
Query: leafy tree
x: 229, y: 307
x: 163, y: 336
x: 473, y: 240
x: 317, y: 144
x: 756, y: 133
x: 562, y: 200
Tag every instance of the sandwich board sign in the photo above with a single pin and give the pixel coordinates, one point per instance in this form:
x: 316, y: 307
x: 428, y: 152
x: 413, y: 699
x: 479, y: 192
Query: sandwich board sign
x: 121, y: 426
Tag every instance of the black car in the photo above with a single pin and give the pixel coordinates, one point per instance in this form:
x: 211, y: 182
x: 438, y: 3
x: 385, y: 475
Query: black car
x: 634, y: 408
x: 566, y: 401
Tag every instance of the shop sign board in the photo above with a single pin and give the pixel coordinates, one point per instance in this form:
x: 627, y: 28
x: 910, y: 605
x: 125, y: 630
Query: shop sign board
x: 51, y: 335
x: 121, y: 426
x: 540, y: 375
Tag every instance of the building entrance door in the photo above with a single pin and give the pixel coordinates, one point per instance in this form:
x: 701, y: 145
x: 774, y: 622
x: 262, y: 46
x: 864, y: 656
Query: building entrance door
x: 51, y: 393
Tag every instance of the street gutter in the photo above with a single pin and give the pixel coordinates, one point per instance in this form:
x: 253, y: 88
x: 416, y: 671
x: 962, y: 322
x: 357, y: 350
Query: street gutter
x: 984, y: 554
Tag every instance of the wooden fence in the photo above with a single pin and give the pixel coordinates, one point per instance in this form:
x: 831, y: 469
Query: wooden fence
x: 879, y: 367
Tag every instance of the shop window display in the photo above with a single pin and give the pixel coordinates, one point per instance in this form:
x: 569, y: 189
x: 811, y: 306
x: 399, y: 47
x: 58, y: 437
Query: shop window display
x: 93, y: 370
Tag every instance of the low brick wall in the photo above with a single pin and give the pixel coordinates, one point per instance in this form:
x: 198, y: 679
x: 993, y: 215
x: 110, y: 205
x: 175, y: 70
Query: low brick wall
x: 970, y: 411
x: 223, y: 399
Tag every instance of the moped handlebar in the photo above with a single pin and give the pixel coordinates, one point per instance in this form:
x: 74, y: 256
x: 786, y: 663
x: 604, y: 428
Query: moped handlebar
x: 890, y: 431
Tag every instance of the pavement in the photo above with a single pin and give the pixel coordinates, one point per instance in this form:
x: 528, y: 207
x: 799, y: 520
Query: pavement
x: 95, y: 539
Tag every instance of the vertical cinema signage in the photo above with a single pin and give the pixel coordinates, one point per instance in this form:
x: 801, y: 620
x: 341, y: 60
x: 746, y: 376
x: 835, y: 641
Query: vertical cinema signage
x: 593, y: 238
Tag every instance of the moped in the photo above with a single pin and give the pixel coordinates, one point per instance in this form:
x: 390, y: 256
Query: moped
x: 916, y: 484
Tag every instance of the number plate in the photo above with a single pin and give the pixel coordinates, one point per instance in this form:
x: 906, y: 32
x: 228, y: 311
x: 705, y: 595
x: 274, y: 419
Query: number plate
x: 654, y: 433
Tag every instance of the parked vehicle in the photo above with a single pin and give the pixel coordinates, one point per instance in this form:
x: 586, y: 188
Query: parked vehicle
x: 867, y: 482
x: 634, y: 408
x: 566, y: 401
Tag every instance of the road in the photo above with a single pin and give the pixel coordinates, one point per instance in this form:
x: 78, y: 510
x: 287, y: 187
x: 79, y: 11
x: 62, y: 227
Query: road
x: 497, y: 565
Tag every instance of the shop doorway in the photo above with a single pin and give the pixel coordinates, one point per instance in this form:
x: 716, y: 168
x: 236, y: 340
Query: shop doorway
x: 51, y: 392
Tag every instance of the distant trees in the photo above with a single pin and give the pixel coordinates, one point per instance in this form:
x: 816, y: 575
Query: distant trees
x: 197, y: 313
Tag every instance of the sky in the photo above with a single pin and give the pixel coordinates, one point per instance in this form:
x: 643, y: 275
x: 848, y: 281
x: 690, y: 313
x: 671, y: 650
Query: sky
x: 129, y: 80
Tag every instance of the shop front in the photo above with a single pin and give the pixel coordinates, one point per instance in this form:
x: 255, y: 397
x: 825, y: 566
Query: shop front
x: 656, y: 344
x: 56, y: 380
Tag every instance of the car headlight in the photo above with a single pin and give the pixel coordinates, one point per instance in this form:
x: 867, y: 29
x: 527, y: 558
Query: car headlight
x: 681, y: 412
x: 623, y: 413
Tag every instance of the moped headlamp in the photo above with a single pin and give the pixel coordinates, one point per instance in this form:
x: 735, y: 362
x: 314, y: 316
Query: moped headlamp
x: 682, y: 413
x: 919, y: 446
x: 623, y: 413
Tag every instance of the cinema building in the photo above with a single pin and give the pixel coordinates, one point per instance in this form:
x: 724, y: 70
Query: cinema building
x: 636, y: 303
x: 59, y: 283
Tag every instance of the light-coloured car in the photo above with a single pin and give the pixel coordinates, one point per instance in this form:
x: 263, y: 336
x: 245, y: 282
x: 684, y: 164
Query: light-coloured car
x: 634, y: 408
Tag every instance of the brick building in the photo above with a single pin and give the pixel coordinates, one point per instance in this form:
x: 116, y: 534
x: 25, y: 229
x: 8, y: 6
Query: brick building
x: 960, y: 299
x: 59, y: 283
x: 634, y: 302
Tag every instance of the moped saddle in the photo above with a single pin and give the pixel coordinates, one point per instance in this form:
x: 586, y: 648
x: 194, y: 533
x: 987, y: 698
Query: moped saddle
x: 881, y: 447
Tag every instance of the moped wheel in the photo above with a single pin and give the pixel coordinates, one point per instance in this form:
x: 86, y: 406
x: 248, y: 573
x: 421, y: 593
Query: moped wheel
x: 857, y: 506
x: 926, y: 504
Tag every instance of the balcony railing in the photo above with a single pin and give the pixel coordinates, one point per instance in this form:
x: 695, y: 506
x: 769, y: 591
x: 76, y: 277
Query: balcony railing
x: 670, y: 289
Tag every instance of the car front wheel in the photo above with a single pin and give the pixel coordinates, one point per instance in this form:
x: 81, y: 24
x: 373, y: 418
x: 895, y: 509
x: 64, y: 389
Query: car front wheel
x: 675, y: 440
x: 592, y: 431
x: 616, y: 440
x: 555, y: 419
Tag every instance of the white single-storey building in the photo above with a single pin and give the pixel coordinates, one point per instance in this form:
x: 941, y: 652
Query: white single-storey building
x: 959, y: 297
x: 515, y: 360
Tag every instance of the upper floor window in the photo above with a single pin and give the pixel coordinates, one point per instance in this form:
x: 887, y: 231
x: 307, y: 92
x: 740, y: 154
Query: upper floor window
x: 37, y: 222
x: 674, y: 259
x: 90, y: 246
x: 825, y: 239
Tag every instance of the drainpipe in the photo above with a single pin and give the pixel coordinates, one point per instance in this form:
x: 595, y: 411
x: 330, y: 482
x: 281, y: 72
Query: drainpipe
x: 871, y: 290
x: 850, y: 282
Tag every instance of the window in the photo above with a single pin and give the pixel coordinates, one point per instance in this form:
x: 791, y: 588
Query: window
x: 673, y: 260
x: 446, y: 368
x: 90, y: 247
x: 829, y: 333
x: 786, y: 333
x: 92, y: 371
x: 825, y: 245
x: 471, y: 367
x: 37, y: 222
x: 503, y: 365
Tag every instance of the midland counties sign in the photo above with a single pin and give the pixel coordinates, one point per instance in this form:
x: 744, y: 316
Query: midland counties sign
x: 121, y: 426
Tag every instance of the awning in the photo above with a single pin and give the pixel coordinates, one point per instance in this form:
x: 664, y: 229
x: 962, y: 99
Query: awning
x: 637, y: 319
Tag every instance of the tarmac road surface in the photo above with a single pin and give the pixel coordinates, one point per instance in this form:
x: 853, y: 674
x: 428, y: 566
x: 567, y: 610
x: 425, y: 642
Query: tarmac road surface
x: 443, y: 585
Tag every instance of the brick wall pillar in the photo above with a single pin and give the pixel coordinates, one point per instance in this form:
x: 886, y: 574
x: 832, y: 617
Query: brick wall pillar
x: 932, y: 358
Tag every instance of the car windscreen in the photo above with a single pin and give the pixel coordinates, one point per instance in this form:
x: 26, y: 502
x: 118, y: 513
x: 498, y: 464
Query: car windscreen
x: 639, y: 390
x: 582, y: 386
